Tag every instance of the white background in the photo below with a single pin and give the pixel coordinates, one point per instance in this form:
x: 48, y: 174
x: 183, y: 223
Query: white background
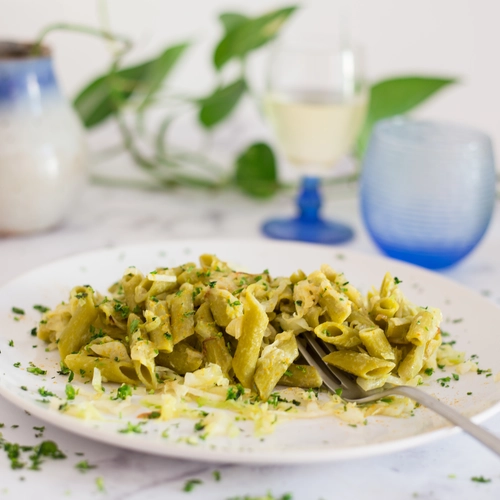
x: 442, y: 37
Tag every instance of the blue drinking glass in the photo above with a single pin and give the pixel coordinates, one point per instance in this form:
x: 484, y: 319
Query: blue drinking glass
x: 427, y: 190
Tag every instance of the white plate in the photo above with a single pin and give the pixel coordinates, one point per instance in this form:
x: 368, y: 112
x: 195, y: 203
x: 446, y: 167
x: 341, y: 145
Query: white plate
x: 310, y: 440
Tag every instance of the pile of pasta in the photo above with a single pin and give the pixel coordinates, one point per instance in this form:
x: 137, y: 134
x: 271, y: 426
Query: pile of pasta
x: 190, y: 317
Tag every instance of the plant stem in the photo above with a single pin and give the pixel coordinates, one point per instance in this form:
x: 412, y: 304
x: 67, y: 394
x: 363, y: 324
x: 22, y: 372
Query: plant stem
x: 88, y: 30
x: 126, y: 183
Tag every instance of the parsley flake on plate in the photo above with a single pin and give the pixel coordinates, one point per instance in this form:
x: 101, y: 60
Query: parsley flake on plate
x: 191, y: 483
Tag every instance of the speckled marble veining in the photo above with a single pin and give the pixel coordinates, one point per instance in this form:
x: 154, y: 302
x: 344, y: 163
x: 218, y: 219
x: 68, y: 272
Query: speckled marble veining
x: 107, y: 217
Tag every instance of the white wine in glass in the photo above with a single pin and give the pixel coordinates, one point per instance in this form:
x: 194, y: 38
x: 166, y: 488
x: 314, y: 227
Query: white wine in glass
x: 316, y: 102
x: 315, y: 129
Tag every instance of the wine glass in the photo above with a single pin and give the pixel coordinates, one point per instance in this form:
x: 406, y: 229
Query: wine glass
x: 316, y: 102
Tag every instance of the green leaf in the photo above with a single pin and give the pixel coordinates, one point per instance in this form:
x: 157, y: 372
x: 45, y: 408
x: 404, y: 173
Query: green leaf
x: 159, y: 70
x: 250, y: 35
x: 397, y: 96
x: 219, y: 105
x: 232, y: 20
x: 95, y: 102
x: 106, y: 94
x: 256, y: 172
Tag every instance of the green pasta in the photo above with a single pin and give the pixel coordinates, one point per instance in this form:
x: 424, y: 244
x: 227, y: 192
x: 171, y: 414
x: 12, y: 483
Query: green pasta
x: 249, y: 344
x: 240, y: 329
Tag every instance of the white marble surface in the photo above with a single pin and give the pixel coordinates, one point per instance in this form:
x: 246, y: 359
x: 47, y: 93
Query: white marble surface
x: 109, y: 217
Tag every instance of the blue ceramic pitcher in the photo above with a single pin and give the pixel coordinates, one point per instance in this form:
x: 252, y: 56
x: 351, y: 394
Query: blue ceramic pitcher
x: 42, y: 145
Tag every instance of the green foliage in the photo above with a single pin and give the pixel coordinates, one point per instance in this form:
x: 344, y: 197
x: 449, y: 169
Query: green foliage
x: 231, y: 20
x: 159, y: 70
x: 106, y: 94
x: 216, y: 107
x: 243, y: 36
x: 396, y: 96
x: 256, y: 172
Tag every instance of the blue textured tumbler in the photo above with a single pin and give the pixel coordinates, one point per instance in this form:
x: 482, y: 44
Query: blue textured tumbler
x: 427, y: 190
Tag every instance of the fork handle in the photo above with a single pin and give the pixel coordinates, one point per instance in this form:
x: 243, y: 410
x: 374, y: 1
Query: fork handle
x: 482, y: 435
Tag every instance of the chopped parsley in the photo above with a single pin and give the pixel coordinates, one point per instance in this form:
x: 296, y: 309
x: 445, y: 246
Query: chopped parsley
x: 275, y: 398
x: 191, y: 483
x: 17, y: 364
x: 17, y: 310
x: 397, y: 281
x: 66, y: 371
x: 84, y: 466
x: 123, y: 392
x: 95, y: 335
x: 11, y: 343
x: 338, y: 392
x: 480, y: 479
x: 199, y: 426
x: 70, y: 392
x: 33, y: 332
x: 480, y: 372
x: 42, y: 309
x: 134, y: 325
x: 216, y: 475
x: 40, y: 430
x: 45, y: 393
x: 45, y: 449
x: 429, y: 371
x: 233, y: 394
x: 444, y: 381
x: 132, y: 429
x: 24, y: 388
x: 35, y: 370
x: 99, y: 481
x: 123, y: 309
x: 455, y: 376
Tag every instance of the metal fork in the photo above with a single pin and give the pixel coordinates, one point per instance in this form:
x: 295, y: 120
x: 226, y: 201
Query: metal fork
x: 334, y: 379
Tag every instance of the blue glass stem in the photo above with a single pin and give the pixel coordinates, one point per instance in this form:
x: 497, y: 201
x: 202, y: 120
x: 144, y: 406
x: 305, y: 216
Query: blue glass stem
x: 309, y: 200
x: 308, y: 224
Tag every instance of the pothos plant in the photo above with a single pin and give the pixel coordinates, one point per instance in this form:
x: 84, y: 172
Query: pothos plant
x: 125, y: 91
